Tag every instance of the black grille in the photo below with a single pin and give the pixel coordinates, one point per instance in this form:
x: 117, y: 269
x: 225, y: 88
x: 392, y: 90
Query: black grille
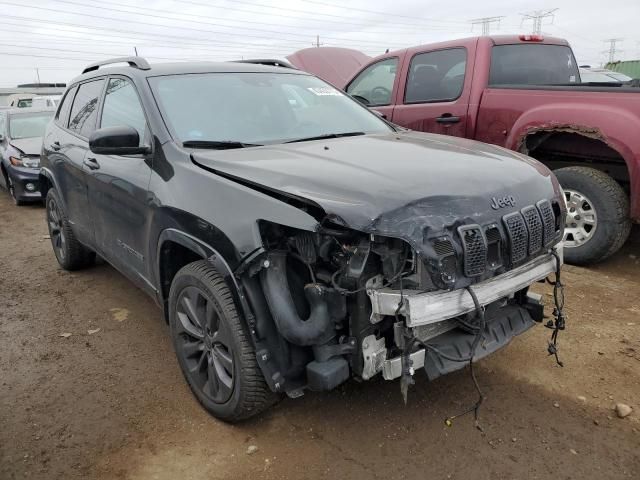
x: 443, y: 247
x: 534, y: 227
x: 475, y: 250
x: 518, y: 239
x: 548, y: 221
x: 493, y: 235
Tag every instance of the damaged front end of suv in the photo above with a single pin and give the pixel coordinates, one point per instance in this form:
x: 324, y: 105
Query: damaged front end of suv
x: 428, y: 268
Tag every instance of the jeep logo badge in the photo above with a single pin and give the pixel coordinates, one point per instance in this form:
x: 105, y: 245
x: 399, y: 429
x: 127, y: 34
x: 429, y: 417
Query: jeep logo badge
x: 501, y: 202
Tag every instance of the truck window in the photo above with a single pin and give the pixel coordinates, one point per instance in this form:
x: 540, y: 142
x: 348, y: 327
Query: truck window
x: 373, y: 86
x: 436, y: 76
x: 532, y: 64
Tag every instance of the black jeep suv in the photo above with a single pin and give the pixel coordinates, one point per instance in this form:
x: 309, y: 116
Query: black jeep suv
x: 293, y: 238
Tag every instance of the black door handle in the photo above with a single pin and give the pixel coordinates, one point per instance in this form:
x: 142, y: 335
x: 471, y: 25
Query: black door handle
x: 92, y: 163
x: 55, y: 146
x: 447, y: 118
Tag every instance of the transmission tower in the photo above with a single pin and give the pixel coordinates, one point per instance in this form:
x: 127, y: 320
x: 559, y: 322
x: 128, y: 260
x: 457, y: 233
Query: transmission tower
x: 486, y: 23
x: 537, y: 18
x: 613, y: 49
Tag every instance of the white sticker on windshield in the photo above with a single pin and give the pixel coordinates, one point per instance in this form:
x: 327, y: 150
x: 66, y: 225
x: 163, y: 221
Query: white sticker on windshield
x: 323, y: 91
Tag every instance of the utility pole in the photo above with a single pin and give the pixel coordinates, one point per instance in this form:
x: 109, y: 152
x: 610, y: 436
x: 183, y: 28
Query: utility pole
x: 537, y: 18
x: 317, y: 44
x: 613, y: 50
x: 38, y: 74
x: 135, y: 49
x: 486, y: 23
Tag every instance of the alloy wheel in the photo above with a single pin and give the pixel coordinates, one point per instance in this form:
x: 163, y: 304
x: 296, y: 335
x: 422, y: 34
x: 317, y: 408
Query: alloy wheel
x: 204, y: 342
x: 582, y: 219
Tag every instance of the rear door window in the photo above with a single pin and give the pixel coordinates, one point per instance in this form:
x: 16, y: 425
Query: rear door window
x: 436, y: 76
x: 374, y: 85
x: 84, y: 111
x: 62, y: 116
x: 532, y: 64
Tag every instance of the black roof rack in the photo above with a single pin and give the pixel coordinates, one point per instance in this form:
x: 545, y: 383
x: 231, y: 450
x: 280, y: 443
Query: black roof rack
x: 272, y: 62
x: 135, y: 62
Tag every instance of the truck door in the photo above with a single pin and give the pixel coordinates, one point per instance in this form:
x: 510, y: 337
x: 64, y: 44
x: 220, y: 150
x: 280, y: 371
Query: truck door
x: 434, y: 98
x: 376, y: 86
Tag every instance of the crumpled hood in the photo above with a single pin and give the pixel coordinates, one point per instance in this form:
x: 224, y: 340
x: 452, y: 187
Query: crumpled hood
x: 28, y: 146
x: 396, y: 183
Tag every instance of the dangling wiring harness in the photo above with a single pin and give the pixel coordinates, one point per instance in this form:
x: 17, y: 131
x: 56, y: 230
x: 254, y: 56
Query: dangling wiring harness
x: 478, y: 327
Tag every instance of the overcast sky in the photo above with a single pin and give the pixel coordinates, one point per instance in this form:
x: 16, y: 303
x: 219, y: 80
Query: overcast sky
x: 59, y: 37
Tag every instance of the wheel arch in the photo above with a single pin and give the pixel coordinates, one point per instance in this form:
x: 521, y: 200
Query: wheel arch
x: 568, y: 146
x: 177, y: 248
x: 47, y: 181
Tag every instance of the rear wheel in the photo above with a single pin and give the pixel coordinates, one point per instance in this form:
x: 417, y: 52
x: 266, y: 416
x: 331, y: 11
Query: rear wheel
x: 598, y: 220
x: 212, y: 346
x: 70, y: 253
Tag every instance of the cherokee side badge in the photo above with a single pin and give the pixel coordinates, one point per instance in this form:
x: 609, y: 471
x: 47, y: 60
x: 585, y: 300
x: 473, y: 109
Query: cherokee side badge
x: 501, y: 202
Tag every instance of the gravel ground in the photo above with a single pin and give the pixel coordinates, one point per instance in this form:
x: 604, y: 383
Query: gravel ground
x: 112, y: 404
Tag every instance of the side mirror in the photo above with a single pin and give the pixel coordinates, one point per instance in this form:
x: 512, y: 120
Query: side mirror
x: 380, y: 114
x: 1, y: 137
x: 122, y: 140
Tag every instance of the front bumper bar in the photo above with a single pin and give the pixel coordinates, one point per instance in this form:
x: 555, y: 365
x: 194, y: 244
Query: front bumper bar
x: 427, y: 308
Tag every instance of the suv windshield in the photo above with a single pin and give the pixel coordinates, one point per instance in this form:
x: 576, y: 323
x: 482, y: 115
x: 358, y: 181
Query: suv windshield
x: 25, y: 125
x: 258, y: 108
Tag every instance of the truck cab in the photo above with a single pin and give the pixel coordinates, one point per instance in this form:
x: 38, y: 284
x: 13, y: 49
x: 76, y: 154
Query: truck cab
x: 524, y: 93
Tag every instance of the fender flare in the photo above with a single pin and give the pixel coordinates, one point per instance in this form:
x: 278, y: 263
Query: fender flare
x: 50, y: 177
x: 201, y: 249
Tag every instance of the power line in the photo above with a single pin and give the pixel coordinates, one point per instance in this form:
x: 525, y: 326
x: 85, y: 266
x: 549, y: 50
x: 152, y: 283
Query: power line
x: 386, y: 14
x: 137, y: 22
x: 486, y: 23
x: 313, y: 13
x: 537, y: 17
x: 243, y: 22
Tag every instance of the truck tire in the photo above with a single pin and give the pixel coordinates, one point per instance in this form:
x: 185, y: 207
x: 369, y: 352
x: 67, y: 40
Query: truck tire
x: 69, y: 252
x: 213, y: 347
x: 598, y: 221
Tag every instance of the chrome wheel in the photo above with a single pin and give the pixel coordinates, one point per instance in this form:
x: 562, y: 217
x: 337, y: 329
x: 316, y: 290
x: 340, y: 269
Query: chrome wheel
x: 582, y: 219
x: 56, y: 228
x: 205, y: 344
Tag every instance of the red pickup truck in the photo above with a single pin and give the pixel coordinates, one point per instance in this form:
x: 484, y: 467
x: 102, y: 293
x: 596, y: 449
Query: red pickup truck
x: 523, y: 93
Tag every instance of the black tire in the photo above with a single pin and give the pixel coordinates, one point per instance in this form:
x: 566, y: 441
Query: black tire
x: 610, y: 204
x: 213, y: 347
x: 69, y: 252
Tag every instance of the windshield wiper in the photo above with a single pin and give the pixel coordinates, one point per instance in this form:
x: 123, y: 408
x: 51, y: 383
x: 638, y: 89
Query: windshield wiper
x: 327, y: 135
x: 218, y: 144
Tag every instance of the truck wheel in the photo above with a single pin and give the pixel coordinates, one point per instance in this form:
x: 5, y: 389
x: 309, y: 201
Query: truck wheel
x: 213, y: 347
x: 598, y: 221
x: 71, y: 254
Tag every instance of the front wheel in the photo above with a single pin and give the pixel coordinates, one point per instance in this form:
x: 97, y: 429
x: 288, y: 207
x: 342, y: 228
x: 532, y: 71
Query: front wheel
x: 598, y: 221
x: 213, y: 347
